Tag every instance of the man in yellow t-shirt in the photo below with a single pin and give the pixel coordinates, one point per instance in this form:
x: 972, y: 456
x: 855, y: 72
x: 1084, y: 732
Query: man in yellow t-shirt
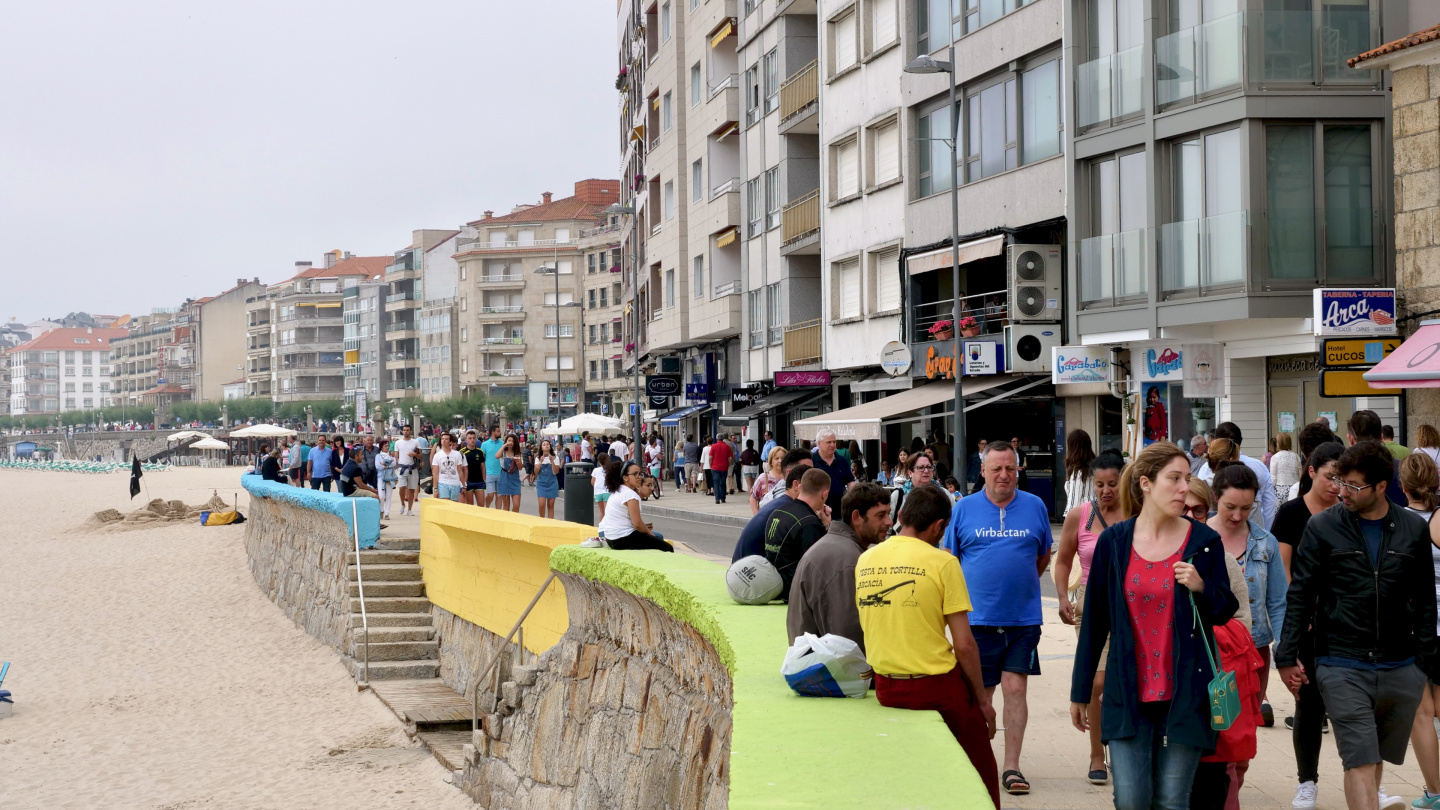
x: 908, y: 591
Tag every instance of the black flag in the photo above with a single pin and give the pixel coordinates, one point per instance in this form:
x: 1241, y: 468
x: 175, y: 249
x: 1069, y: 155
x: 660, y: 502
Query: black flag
x: 135, y: 473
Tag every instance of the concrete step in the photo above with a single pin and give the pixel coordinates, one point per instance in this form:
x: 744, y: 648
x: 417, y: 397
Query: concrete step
x: 391, y: 604
x: 390, y: 634
x: 373, y: 589
x: 387, y: 573
x: 379, y: 619
x: 379, y: 557
x: 394, y: 650
x: 393, y: 670
x: 394, y: 544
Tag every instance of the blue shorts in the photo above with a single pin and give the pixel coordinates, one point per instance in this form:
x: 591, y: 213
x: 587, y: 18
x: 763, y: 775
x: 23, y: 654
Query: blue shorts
x: 449, y: 492
x: 474, y: 485
x: 602, y: 497
x: 1007, y: 649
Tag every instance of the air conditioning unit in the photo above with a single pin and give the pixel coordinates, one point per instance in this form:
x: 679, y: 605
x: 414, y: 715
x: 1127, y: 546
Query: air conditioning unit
x: 1035, y: 294
x: 1027, y: 347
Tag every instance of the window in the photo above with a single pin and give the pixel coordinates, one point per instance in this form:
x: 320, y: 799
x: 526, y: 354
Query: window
x: 886, y: 269
x: 757, y: 319
x: 697, y: 282
x: 771, y: 63
x: 1299, y: 193
x: 772, y: 198
x: 1040, y: 95
x: 753, y: 206
x: 1204, y: 244
x: 566, y: 330
x: 602, y: 298
x: 670, y: 199
x: 463, y: 304
x: 695, y: 90
x: 592, y: 333
x: 592, y: 299
x: 992, y: 137
x: 565, y: 298
x: 752, y: 95
x: 562, y: 235
x: 464, y: 366
x: 883, y: 28
x: 777, y: 319
x: 697, y: 181
x: 567, y: 363
x: 750, y: 5
x: 566, y: 266
x: 463, y: 338
x: 847, y: 289
x: 934, y: 153
x: 605, y: 332
x: 846, y: 159
x: 69, y: 371
x: 842, y: 43
x: 591, y: 267
x: 1112, y: 260
x: 665, y: 23
x: 527, y: 237
x: 593, y: 370
x: 665, y: 112
x: 884, y: 152
x: 670, y: 287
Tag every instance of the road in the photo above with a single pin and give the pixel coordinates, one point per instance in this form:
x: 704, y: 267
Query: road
x: 705, y: 537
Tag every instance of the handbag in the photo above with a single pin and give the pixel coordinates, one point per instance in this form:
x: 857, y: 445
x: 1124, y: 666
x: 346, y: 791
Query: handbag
x: 1223, y: 691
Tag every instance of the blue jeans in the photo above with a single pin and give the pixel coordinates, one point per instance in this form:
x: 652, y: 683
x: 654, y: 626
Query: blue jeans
x: 1149, y: 774
x: 717, y: 482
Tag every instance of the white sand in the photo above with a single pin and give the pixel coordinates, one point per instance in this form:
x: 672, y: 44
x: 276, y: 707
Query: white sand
x: 150, y: 672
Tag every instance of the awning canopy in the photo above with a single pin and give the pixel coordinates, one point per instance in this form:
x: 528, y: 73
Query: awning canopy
x: 719, y: 36
x: 1414, y: 363
x: 673, y: 418
x: 969, y: 252
x: 863, y: 422
x: 727, y: 236
x: 770, y: 403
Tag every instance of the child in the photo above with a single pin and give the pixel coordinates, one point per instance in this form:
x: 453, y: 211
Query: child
x: 953, y: 487
x: 657, y: 462
x: 597, y: 480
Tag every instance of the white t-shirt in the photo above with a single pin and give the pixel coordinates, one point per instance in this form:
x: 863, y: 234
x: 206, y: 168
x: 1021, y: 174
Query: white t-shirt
x: 619, y: 450
x: 705, y: 459
x: 447, y: 467
x: 403, y: 449
x: 585, y: 450
x: 597, y: 478
x: 616, y: 522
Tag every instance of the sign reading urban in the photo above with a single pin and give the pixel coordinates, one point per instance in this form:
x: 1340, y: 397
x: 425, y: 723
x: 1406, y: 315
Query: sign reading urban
x: 1359, y: 311
x: 662, y: 385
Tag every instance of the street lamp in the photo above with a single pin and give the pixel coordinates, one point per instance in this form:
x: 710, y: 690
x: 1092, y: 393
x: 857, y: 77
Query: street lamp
x: 559, y: 386
x: 927, y: 65
x: 617, y: 209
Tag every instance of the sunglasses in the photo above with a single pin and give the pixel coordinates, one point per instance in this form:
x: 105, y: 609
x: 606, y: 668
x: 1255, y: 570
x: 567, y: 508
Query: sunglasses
x: 1199, y: 510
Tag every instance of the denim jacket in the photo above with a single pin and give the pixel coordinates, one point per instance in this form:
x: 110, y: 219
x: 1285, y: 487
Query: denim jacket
x: 1265, y: 577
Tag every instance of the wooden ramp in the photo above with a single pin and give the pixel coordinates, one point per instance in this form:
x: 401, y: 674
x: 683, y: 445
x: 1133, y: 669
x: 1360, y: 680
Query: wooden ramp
x: 447, y: 746
x: 423, y: 701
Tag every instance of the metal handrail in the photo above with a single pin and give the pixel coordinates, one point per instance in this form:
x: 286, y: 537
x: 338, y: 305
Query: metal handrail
x: 494, y: 659
x: 360, y: 581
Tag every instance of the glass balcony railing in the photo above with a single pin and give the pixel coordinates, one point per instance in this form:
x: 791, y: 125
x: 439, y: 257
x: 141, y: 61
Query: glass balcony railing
x: 1310, y: 47
x: 1200, y: 60
x: 1109, y: 88
x: 1113, y: 267
x: 1197, y: 254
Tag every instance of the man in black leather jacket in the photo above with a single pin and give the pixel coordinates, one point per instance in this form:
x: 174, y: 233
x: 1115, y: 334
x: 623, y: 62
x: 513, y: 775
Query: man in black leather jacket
x: 1361, y: 576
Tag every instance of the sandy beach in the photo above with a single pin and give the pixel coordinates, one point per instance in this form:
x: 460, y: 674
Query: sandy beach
x: 150, y: 672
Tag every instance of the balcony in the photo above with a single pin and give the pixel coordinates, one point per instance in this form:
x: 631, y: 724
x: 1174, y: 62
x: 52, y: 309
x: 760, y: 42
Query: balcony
x: 799, y: 101
x: 410, y: 299
x: 516, y: 340
x: 989, y: 310
x: 1198, y: 254
x: 403, y: 326
x: 1198, y: 61
x: 499, y: 279
x: 802, y: 344
x: 504, y: 372
x: 800, y: 225
x: 1310, y: 47
x: 718, y: 317
x: 1113, y: 268
x: 484, y: 245
x: 399, y: 267
x: 586, y: 233
x: 1109, y: 88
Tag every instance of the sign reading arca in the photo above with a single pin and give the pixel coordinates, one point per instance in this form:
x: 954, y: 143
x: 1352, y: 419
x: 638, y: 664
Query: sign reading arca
x: 1354, y: 311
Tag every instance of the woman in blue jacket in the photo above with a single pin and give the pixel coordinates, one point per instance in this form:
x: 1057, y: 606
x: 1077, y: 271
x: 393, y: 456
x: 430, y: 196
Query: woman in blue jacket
x: 1144, y: 574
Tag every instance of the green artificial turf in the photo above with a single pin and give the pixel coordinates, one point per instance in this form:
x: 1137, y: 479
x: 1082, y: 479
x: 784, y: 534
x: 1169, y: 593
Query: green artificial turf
x: 788, y: 751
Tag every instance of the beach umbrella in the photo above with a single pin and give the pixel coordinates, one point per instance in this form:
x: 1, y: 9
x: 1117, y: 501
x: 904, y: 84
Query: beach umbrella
x: 210, y: 444
x: 185, y: 434
x: 261, y: 431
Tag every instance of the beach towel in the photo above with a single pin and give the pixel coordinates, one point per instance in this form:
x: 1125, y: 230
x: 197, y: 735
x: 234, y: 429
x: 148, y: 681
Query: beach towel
x: 220, y: 518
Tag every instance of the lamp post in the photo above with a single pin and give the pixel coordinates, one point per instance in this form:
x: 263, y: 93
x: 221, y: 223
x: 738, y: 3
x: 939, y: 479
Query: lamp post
x: 926, y: 65
x: 619, y: 209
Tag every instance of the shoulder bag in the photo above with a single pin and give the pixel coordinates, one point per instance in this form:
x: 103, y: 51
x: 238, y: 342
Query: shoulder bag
x: 1223, y: 692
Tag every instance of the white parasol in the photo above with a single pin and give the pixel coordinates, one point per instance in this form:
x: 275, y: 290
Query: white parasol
x: 210, y: 444
x: 186, y: 434
x: 261, y: 431
x: 580, y: 423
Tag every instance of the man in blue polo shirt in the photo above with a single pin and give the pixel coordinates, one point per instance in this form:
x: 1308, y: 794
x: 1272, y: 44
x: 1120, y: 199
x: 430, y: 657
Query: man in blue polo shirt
x: 835, y: 465
x: 321, y: 462
x: 1002, y: 537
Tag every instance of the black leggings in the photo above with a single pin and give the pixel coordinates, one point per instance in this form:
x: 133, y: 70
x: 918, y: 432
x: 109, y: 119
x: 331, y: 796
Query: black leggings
x: 1211, y: 788
x: 636, y: 541
x: 1309, y: 717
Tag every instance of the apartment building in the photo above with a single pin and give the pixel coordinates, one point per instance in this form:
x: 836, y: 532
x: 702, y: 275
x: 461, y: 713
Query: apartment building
x: 518, y: 297
x: 417, y: 346
x: 680, y: 146
x: 362, y: 311
x: 64, y: 369
x: 295, y: 333
x: 154, y: 364
x: 219, y: 354
x: 1225, y: 162
x: 605, y: 388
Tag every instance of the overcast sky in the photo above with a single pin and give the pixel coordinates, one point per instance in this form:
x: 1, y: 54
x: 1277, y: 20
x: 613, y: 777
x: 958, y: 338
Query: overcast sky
x: 157, y: 150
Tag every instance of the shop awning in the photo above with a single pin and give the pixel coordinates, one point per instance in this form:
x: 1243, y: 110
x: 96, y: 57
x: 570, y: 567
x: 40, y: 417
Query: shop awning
x: 863, y: 422
x: 770, y: 403
x: 1414, y: 363
x: 673, y: 418
x: 969, y: 252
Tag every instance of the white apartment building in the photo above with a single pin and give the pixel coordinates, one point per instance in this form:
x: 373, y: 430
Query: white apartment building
x: 62, y: 370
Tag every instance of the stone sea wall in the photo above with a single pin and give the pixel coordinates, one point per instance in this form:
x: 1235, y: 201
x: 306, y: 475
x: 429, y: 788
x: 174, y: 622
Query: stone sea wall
x: 631, y: 709
x: 464, y: 648
x: 299, y: 558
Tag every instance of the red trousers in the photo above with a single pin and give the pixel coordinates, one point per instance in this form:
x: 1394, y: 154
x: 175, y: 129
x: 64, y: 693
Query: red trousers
x: 948, y: 695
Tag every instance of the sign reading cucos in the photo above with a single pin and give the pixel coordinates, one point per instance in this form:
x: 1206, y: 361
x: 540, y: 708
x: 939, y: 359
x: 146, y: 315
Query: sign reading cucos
x: 1358, y: 311
x: 1079, y: 364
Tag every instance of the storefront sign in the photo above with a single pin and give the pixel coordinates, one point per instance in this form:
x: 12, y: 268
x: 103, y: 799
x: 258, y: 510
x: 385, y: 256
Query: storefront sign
x: 697, y: 391
x: 658, y: 402
x: 662, y: 385
x: 1079, y: 364
x: 939, y: 363
x: 1331, y: 418
x: 895, y: 358
x: 743, y: 397
x: 980, y: 358
x: 361, y: 409
x: 1362, y: 311
x: 1202, y: 371
x: 1285, y: 421
x: 801, y: 379
x: 1293, y: 364
x: 1162, y: 363
x: 1353, y: 352
x: 1350, y: 383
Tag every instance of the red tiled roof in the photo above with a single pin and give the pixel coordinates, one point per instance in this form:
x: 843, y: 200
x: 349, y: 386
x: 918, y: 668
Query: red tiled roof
x: 368, y: 266
x: 1418, y: 38
x: 167, y: 388
x: 563, y: 209
x: 65, y: 339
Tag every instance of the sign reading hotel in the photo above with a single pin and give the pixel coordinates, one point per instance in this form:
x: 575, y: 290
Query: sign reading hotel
x: 1360, y: 311
x: 1079, y: 364
x: 1158, y: 363
x: 801, y: 379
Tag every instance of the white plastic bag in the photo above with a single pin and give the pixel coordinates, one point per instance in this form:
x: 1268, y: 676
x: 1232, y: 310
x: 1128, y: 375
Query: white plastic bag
x: 826, y: 666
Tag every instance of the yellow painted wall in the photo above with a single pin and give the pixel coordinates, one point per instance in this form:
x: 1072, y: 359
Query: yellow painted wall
x: 484, y: 565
